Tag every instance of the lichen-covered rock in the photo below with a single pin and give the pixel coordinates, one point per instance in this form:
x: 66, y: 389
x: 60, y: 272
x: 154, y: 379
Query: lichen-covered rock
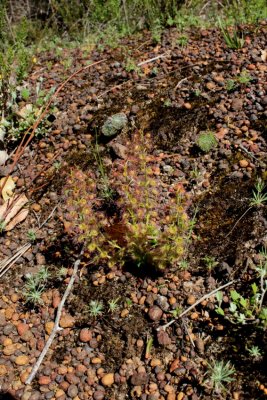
x: 114, y: 124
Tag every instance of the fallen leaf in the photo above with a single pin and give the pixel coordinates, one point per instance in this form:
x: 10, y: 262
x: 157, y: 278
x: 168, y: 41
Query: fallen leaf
x: 264, y: 55
x: 13, y: 211
x: 7, y: 190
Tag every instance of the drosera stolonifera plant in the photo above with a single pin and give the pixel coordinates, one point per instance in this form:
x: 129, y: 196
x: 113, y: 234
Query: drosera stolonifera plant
x: 148, y: 229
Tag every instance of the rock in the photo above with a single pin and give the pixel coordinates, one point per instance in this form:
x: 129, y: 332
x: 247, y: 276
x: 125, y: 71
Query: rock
x: 155, y: 313
x: 163, y: 338
x: 191, y: 300
x: 56, y: 298
x: 200, y: 345
x: 135, y: 109
x: 40, y: 259
x: 96, y: 360
x: 67, y: 321
x: 10, y: 349
x: 237, y: 104
x: 99, y: 395
x: 119, y: 149
x: 243, y: 163
x: 138, y: 379
x: 167, y: 168
x: 222, y: 132
x: 49, y: 327
x: 210, y: 86
x: 174, y: 365
x: 162, y: 302
x: 36, y: 207
x: 22, y: 360
x: 3, y: 370
x: 114, y: 124
x: 9, y: 313
x: 59, y: 393
x: 171, y: 396
x: 85, y: 335
x: 72, y: 391
x: 36, y: 395
x: 188, y: 106
x: 124, y: 313
x: 194, y: 315
x: 44, y: 380
x: 155, y: 362
x: 72, y: 378
x: 22, y: 328
x: 108, y: 379
x: 2, y: 320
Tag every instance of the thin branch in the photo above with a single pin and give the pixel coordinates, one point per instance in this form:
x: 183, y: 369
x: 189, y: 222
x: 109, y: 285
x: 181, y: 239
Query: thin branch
x: 239, y: 219
x: 180, y: 82
x: 24, y: 142
x: 187, y: 331
x: 6, y: 264
x: 248, y: 152
x: 151, y: 59
x: 206, y: 296
x: 56, y: 327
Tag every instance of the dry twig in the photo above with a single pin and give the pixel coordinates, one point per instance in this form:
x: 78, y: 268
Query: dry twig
x: 206, y: 296
x: 56, y: 328
x: 152, y: 59
x: 25, y: 142
x: 6, y: 264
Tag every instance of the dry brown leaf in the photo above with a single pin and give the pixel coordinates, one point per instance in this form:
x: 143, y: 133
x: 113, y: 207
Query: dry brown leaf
x: 7, y: 190
x: 13, y: 211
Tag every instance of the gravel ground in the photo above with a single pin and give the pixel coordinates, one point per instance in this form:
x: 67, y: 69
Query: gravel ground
x: 173, y: 98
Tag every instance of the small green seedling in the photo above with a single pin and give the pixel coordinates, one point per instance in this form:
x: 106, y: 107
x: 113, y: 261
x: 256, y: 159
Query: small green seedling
x: 230, y: 85
x: 244, y: 78
x: 149, y: 345
x: 254, y: 352
x: 35, y: 286
x: 31, y: 234
x: 182, y: 41
x: 176, y: 312
x: 62, y: 273
x: 113, y: 304
x: 210, y: 262
x: 258, y: 196
x: 233, y: 40
x: 95, y: 308
x: 2, y: 226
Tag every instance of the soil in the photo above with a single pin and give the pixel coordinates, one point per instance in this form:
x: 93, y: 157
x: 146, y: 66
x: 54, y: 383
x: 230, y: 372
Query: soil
x: 173, y: 99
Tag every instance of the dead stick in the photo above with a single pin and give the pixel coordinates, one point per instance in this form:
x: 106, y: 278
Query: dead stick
x: 22, y: 146
x: 194, y: 305
x: 151, y: 59
x: 56, y: 326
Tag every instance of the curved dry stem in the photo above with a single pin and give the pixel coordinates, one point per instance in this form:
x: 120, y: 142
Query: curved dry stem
x: 23, y: 144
